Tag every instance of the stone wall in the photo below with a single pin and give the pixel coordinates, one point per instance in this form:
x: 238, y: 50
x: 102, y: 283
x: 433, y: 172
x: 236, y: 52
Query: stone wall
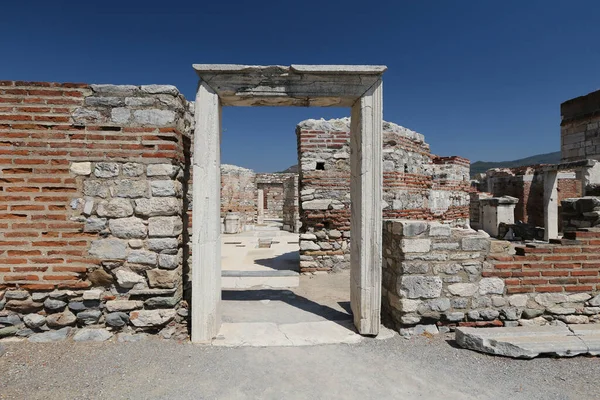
x: 579, y: 128
x: 581, y: 212
x: 527, y: 185
x: 291, y: 215
x: 272, y: 185
x: 92, y: 202
x: 416, y: 185
x: 238, y: 192
x: 475, y: 209
x: 434, y: 274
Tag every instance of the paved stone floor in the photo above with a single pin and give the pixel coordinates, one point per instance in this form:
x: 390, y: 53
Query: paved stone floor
x: 419, y: 368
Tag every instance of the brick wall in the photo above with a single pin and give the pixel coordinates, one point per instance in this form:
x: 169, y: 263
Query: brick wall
x: 238, y: 192
x: 579, y: 128
x: 272, y: 185
x: 79, y: 195
x: 416, y: 185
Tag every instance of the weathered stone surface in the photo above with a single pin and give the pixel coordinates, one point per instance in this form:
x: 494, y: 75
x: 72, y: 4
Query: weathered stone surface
x: 34, y: 321
x: 319, y: 204
x: 475, y: 243
x: 308, y: 245
x: 120, y: 115
x: 491, y: 286
x: 117, y: 319
x: 454, y: 316
x: 166, y: 188
x: 132, y: 169
x: 50, y: 336
x: 152, y: 318
x: 94, y: 224
x: 578, y: 297
x: 154, y: 117
x: 561, y: 310
x: 413, y: 228
x: 16, y: 295
x: 463, y: 289
x: 127, y: 228
x: 59, y: 320
x: 518, y: 300
x: 123, y: 305
x: 162, y: 244
x: 23, y: 306
x: 115, y: 208
x: 127, y: 337
x: 159, y: 278
x: 427, y: 287
x: 54, y: 305
x: 130, y: 188
x: 89, y: 317
x: 308, y: 236
x: 550, y: 299
x: 39, y: 296
x: 595, y: 302
x: 162, y: 302
x: 115, y: 90
x: 8, y: 331
x: 81, y: 168
x: 440, y: 305
x: 136, y: 243
x: 142, y: 257
x: 521, y: 342
x: 99, y: 277
x: 92, y: 295
x: 77, y: 306
x: 158, y: 206
x: 103, y: 101
x: 530, y: 313
x: 168, y: 261
x: 415, y: 245
x: 96, y: 188
x: 160, y: 89
x: 439, y: 230
x: 488, y: 314
x: 110, y: 249
x: 106, y: 170
x: 83, y: 115
x: 127, y: 279
x: 92, y: 335
x: 11, y: 319
x: 162, y: 170
x: 164, y: 226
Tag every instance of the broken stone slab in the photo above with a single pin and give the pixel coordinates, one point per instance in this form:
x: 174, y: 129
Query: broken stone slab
x: 522, y: 342
x: 152, y: 318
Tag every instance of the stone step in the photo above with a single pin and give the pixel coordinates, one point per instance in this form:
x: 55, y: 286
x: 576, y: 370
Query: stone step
x: 532, y: 341
x: 276, y: 279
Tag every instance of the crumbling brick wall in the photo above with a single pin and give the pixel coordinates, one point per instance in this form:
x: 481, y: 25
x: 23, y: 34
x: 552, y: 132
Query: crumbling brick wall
x: 434, y: 274
x: 579, y: 128
x: 416, y: 185
x: 238, y: 192
x: 91, y: 229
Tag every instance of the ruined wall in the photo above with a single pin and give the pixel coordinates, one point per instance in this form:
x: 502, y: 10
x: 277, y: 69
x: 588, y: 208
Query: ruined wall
x: 291, y: 211
x: 527, y: 185
x: 416, y: 185
x: 434, y: 274
x: 272, y: 185
x: 583, y: 212
x: 91, y: 230
x: 238, y: 192
x: 579, y: 128
x: 475, y: 209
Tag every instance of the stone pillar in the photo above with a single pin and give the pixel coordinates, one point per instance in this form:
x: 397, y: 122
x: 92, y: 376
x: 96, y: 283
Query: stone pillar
x: 206, y: 222
x: 366, y: 218
x: 497, y: 210
x: 550, y: 205
x: 260, y: 205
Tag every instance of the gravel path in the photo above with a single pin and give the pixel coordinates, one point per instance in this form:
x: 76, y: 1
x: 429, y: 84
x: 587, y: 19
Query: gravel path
x: 419, y: 368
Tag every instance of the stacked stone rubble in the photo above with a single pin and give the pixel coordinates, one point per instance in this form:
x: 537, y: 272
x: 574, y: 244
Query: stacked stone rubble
x: 583, y: 212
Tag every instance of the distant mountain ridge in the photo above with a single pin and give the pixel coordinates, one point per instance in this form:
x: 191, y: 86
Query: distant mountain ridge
x: 548, y: 158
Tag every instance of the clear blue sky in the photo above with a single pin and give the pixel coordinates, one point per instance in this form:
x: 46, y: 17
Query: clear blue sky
x: 481, y: 79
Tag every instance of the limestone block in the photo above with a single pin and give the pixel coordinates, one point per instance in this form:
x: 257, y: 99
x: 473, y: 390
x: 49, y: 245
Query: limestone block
x: 561, y: 310
x: 140, y: 101
x: 130, y: 188
x: 169, y: 261
x: 440, y: 305
x: 578, y: 297
x: 160, y: 89
x: 162, y: 244
x: 111, y: 249
x: 595, y: 302
x: 439, y: 230
x: 92, y: 335
x: 334, y: 234
x: 136, y: 243
x: 550, y: 299
x: 120, y: 115
x: 158, y: 206
x: 463, y: 289
x: 127, y: 279
x: 408, y: 305
x: 491, y: 286
x: 115, y: 208
x: 154, y: 117
x: 475, y: 243
x: 142, y: 257
x: 106, y: 101
x: 414, y: 267
x: 415, y: 245
x: 164, y: 226
x: 88, y: 206
x: 160, y: 278
x: 166, y: 188
x: 414, y: 287
x: 308, y: 236
x: 81, y: 168
x: 410, y: 319
x: 152, y: 318
x: 518, y: 300
x: 128, y: 228
x: 96, y: 188
x: 454, y: 316
x: 576, y: 319
x: 115, y: 90
x: 162, y: 170
x: 319, y: 204
x: 94, y: 224
x: 92, y: 295
x: 413, y: 228
x: 106, y: 170
x: 309, y: 245
x: 132, y: 169
x: 123, y: 305
x: 83, y: 115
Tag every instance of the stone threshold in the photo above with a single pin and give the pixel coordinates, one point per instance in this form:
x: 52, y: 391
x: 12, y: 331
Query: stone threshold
x: 263, y: 274
x: 532, y: 341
